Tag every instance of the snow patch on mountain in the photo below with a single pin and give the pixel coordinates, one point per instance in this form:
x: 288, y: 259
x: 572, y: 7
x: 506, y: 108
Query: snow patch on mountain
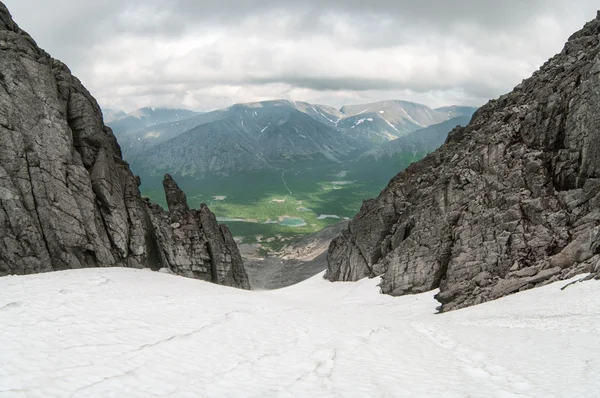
x: 390, y: 124
x: 361, y: 121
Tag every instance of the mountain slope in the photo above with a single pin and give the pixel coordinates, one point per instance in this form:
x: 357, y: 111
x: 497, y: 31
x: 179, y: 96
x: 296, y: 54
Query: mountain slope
x: 323, y: 113
x: 270, y: 134
x: 301, y: 137
x: 134, y: 142
x: 277, y: 132
x: 136, y: 136
x: 421, y: 141
x: 386, y: 120
x: 247, y: 137
x: 508, y: 203
x: 218, y: 147
x: 145, y: 117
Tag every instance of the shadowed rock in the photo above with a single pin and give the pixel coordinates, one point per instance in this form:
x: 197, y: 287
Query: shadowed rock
x: 176, y: 198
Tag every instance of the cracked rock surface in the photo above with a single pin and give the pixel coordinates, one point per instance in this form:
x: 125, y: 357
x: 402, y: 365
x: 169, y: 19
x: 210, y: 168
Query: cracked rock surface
x: 510, y: 202
x: 67, y: 199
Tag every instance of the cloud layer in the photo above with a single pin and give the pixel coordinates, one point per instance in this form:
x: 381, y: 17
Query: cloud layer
x: 209, y: 54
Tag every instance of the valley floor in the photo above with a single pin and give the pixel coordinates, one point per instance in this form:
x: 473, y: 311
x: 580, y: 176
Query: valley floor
x: 130, y: 333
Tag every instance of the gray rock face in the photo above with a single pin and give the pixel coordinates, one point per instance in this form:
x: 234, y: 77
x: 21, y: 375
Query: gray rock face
x: 67, y: 199
x: 193, y: 244
x: 510, y: 202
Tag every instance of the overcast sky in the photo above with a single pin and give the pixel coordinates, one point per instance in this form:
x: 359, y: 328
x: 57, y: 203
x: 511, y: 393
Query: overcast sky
x: 208, y: 54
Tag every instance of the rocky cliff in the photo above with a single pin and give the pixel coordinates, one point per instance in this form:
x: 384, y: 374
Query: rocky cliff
x: 510, y: 202
x: 68, y: 200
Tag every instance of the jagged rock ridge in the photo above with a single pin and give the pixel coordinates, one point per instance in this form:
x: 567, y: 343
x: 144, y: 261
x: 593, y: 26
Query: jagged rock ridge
x: 68, y: 200
x: 510, y: 202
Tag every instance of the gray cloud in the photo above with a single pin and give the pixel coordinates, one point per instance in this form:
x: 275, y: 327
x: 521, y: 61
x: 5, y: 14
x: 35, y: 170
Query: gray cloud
x: 209, y: 54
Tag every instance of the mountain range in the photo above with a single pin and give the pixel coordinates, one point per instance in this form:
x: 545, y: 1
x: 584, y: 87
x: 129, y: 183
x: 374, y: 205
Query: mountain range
x: 276, y: 134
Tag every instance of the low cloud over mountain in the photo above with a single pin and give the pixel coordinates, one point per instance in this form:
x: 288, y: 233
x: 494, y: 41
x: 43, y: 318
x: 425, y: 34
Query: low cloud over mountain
x: 211, y: 54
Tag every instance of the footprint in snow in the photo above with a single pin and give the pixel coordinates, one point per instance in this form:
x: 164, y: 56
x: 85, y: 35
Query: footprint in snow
x: 14, y: 304
x: 477, y: 365
x: 324, y: 361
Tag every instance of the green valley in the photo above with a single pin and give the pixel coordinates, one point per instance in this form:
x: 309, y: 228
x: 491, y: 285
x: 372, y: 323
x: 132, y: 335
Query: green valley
x: 256, y: 204
x: 277, y: 169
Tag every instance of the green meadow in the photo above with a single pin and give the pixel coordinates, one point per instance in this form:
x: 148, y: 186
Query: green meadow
x: 264, y: 199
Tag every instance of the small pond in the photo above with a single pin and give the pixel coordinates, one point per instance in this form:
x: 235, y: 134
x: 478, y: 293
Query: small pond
x: 293, y: 222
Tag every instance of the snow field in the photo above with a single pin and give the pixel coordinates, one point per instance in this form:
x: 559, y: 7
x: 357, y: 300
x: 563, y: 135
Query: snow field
x: 131, y: 333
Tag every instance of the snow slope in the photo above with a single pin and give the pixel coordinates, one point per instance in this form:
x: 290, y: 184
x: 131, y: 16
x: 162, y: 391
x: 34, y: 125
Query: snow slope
x: 130, y: 333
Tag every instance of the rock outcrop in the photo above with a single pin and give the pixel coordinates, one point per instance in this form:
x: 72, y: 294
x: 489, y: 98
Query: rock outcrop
x: 194, y: 244
x: 510, y: 202
x: 68, y: 200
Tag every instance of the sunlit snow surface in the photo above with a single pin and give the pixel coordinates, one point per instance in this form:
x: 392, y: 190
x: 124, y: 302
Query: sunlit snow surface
x: 130, y: 333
